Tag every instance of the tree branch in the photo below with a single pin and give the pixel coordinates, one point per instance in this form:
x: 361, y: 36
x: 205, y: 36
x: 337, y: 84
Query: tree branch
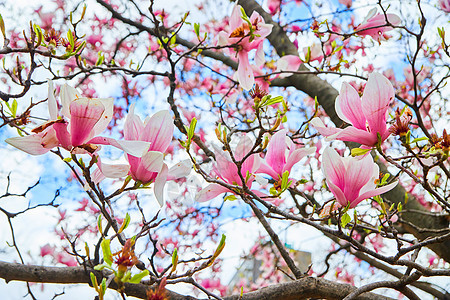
x: 299, y: 289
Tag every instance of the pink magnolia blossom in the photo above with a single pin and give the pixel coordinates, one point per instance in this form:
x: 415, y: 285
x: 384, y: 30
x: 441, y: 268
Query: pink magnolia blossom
x: 227, y: 170
x: 367, y: 114
x: 288, y: 63
x: 445, y: 5
x: 81, y: 119
x: 374, y: 24
x: 241, y: 34
x: 347, y: 3
x: 282, y: 155
x: 158, y: 131
x: 316, y: 52
x: 351, y: 179
x: 273, y: 6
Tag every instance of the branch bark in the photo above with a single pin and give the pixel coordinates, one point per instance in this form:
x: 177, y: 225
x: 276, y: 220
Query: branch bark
x: 300, y: 289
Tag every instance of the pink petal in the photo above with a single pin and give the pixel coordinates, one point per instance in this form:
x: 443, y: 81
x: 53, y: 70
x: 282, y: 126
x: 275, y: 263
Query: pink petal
x: 209, y: 192
x: 133, y: 125
x: 63, y: 135
x: 378, y: 21
x: 266, y: 169
x: 245, y: 72
x: 276, y: 157
x: 134, y: 148
x: 296, y: 156
x: 225, y: 168
x: 235, y: 18
x: 260, y: 57
x: 152, y: 161
x: 359, y: 172
x: 84, y: 114
x: 338, y: 193
x: 160, y: 182
x: 52, y: 105
x: 158, y: 131
x: 288, y: 63
x: 372, y: 193
x: 181, y: 169
x: 67, y: 95
x: 348, y: 107
x: 352, y: 134
x: 375, y: 102
x: 106, y: 117
x: 334, y: 168
x: 322, y: 129
x: 114, y: 171
x: 35, y: 144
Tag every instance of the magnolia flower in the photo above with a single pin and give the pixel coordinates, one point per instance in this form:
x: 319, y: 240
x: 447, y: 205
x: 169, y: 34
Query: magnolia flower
x: 80, y: 120
x: 227, y: 170
x: 282, y: 155
x: 374, y: 24
x: 158, y: 131
x: 366, y: 114
x: 246, y: 42
x: 351, y: 179
x: 288, y: 63
x: 76, y: 126
x: 445, y: 5
x: 316, y: 52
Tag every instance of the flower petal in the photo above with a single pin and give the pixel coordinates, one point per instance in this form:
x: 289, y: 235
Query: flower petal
x: 181, y: 169
x: 158, y: 131
x: 375, y: 102
x: 133, y: 125
x: 348, y: 107
x: 152, y: 161
x: 372, y: 193
x: 296, y: 156
x: 67, y: 95
x: 160, y: 182
x: 35, y: 144
x: 106, y: 117
x: 210, y: 191
x: 52, y: 105
x: 244, y: 71
x: 276, y: 157
x: 134, y: 148
x: 84, y: 114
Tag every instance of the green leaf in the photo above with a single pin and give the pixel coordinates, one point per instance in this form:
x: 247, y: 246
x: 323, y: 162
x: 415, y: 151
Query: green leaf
x: 70, y: 39
x: 408, y: 137
x: 230, y: 198
x: 107, y: 255
x: 99, y: 224
x: 2, y: 26
x: 385, y: 178
x: 359, y: 151
x: 174, y: 260
x: 274, y: 100
x: 14, y: 107
x: 138, y: 277
x: 197, y: 29
x: 424, y: 138
x: 192, y: 128
x: 103, y: 286
x: 125, y: 223
x: 173, y: 39
x: 284, y: 180
x: 345, y: 220
x: 94, y: 280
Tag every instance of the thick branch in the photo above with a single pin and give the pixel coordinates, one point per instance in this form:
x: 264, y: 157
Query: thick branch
x: 300, y: 289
